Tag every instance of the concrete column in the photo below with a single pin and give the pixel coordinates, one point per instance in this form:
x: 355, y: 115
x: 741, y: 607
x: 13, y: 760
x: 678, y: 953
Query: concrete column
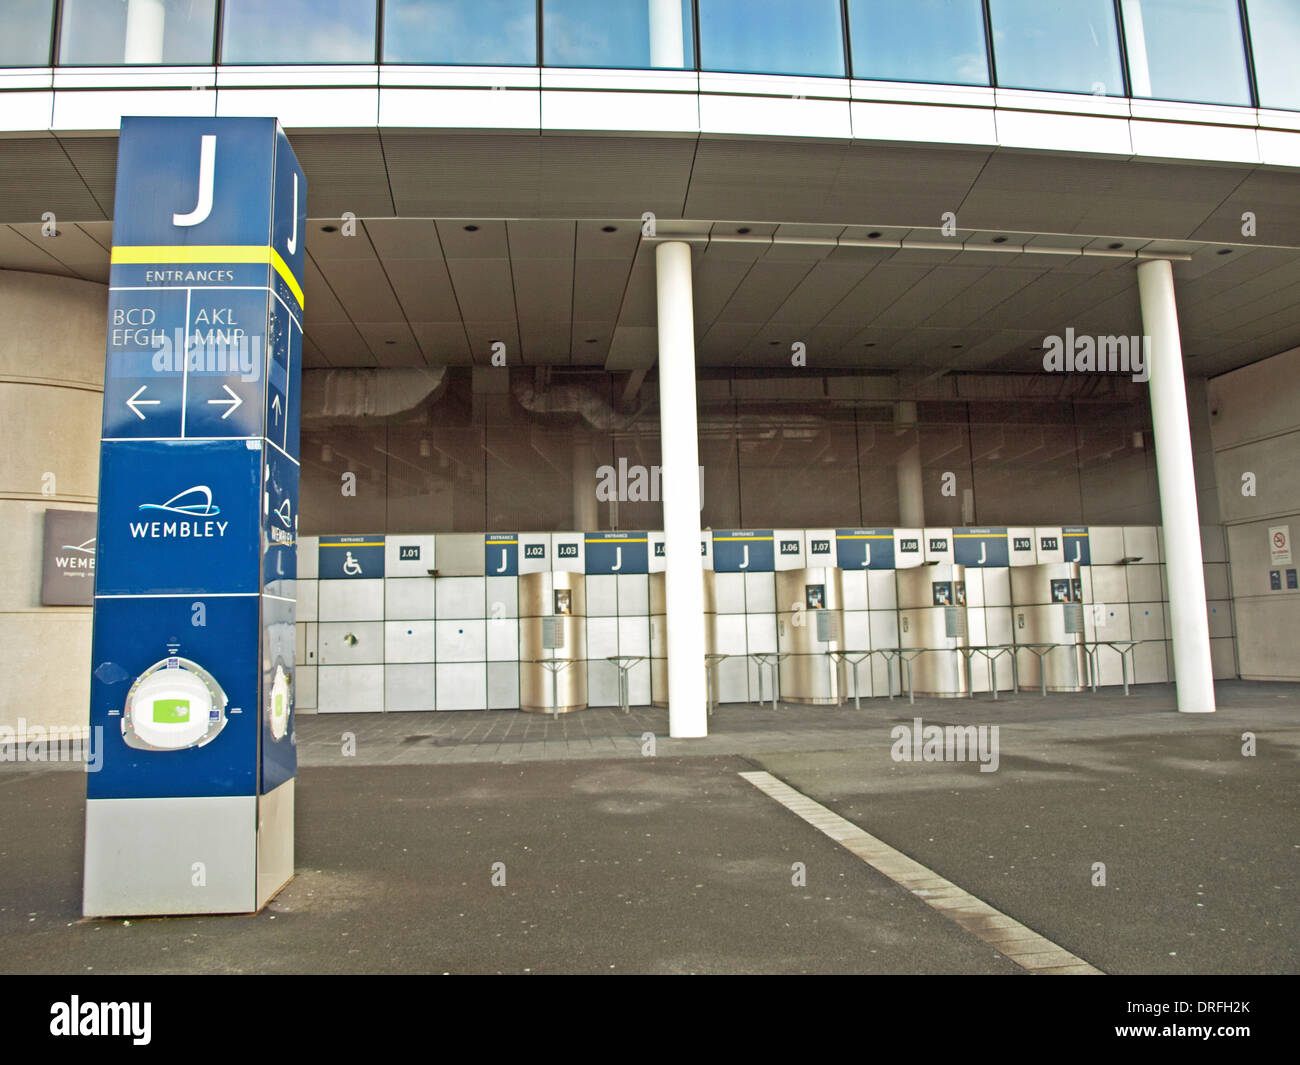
x: 1178, y: 513
x: 144, y: 31
x: 50, y: 408
x: 667, y: 46
x: 680, y: 492
x: 585, y: 516
x: 911, y: 500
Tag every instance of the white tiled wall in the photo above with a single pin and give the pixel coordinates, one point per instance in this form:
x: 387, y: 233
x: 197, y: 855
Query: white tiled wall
x: 452, y: 642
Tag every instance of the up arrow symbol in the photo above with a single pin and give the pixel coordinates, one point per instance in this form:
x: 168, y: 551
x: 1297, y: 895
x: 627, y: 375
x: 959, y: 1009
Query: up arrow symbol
x: 275, y: 406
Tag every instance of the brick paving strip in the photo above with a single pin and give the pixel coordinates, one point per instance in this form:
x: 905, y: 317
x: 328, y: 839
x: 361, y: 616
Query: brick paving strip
x: 1006, y: 935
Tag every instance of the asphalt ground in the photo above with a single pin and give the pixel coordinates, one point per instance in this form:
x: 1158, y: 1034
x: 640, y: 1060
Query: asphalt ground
x: 675, y: 864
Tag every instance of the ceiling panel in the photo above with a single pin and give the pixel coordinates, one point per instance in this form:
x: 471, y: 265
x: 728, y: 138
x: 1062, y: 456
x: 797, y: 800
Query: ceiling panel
x: 484, y: 289
x: 363, y: 289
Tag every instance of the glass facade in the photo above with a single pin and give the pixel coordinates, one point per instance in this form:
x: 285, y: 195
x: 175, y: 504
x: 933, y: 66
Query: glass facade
x: 26, y: 27
x: 1058, y: 45
x: 481, y: 32
x: 1275, y: 42
x: 766, y: 465
x: 110, y: 32
x: 1186, y: 50
x: 298, y: 31
x: 772, y: 37
x: 641, y: 34
x: 940, y: 41
x: 1182, y: 50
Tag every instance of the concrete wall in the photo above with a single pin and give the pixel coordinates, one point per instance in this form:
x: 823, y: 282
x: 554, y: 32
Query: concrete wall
x: 1255, y: 421
x: 51, y: 389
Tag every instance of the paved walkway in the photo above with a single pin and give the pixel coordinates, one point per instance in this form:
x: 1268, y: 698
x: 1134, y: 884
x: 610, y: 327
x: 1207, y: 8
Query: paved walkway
x: 614, y: 861
x: 430, y: 738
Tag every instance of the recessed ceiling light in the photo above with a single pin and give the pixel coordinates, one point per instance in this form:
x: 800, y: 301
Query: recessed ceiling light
x: 1225, y: 251
x: 1115, y: 245
x: 609, y: 229
x: 774, y: 343
x: 869, y: 344
x: 592, y: 340
x: 999, y: 240
x: 743, y: 230
x: 390, y: 341
x: 955, y: 346
x: 873, y: 236
x: 329, y: 229
x: 470, y: 229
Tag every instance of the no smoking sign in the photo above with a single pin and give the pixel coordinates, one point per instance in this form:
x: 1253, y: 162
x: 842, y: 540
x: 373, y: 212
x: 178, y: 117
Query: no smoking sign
x: 1279, y: 545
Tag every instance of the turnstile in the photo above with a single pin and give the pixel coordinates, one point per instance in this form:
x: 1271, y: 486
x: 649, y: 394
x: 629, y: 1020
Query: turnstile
x: 932, y: 616
x: 809, y: 624
x: 552, y: 629
x: 659, y: 635
x: 1047, y: 625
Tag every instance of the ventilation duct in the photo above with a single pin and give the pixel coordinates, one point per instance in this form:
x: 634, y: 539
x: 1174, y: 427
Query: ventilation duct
x: 335, y: 397
x: 587, y: 403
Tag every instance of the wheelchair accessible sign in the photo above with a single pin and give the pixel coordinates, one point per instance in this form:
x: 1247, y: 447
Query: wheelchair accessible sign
x: 350, y: 558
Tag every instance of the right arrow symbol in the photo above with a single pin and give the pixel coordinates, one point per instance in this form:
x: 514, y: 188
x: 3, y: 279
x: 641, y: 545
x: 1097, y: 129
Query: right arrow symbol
x: 135, y: 402
x: 232, y: 403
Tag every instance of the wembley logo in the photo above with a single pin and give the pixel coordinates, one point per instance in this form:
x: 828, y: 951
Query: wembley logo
x: 194, y: 503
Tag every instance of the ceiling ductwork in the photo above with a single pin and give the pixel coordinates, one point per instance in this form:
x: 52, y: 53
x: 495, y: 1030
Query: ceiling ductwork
x: 338, y: 397
x: 582, y: 400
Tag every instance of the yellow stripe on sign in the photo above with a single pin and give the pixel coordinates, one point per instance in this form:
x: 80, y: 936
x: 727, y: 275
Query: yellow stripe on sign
x: 617, y: 541
x: 364, y: 543
x: 216, y: 254
x: 507, y: 543
x: 739, y: 539
x: 873, y: 536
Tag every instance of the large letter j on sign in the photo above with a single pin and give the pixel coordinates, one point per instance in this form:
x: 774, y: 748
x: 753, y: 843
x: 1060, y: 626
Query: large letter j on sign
x: 207, y: 166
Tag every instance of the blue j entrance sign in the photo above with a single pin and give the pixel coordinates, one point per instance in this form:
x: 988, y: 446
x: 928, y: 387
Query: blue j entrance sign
x: 193, y: 661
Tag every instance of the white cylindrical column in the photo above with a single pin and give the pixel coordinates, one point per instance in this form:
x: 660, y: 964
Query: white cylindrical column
x: 667, y: 47
x: 911, y: 499
x: 1193, y: 671
x: 585, y: 516
x: 144, y: 31
x: 680, y: 492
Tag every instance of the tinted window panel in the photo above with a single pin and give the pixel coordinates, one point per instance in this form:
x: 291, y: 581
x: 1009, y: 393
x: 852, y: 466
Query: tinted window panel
x: 483, y: 32
x: 640, y: 34
x: 772, y: 37
x: 109, y: 32
x: 298, y: 31
x: 919, y: 40
x: 1058, y: 45
x: 1275, y: 43
x: 25, y: 27
x: 1186, y: 50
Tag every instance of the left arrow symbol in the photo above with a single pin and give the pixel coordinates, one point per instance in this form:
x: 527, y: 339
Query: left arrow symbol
x: 135, y: 402
x: 233, y: 403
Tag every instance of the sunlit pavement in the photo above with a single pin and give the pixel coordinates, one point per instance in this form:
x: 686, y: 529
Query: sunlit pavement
x: 622, y: 860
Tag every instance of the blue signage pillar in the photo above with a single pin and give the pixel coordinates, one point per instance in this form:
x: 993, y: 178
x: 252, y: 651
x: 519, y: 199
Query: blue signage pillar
x: 193, y: 658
